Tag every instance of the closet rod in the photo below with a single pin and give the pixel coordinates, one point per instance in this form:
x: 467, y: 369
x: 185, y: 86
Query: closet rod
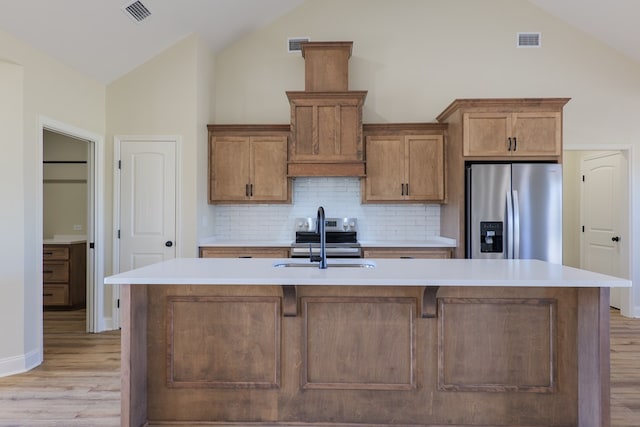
x: 64, y: 161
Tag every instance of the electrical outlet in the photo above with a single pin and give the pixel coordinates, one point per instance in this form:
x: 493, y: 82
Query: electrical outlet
x: 77, y: 227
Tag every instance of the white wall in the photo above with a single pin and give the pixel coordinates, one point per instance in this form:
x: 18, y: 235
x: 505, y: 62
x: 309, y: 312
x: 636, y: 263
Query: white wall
x: 416, y: 56
x: 12, y: 226
x: 169, y: 95
x: 47, y: 88
x: 571, y: 223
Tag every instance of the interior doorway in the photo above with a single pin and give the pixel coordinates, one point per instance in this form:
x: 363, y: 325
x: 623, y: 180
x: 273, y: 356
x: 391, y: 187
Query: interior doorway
x: 95, y: 321
x: 597, y: 216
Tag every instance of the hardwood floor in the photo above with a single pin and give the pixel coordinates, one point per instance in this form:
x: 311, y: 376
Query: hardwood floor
x: 625, y: 371
x: 79, y: 383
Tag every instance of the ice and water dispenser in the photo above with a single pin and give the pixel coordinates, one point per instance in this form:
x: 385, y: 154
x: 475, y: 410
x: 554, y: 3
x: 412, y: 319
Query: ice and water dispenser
x: 491, y: 236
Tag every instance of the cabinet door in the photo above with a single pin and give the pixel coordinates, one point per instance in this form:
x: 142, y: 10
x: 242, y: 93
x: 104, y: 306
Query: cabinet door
x: 486, y: 134
x: 385, y: 168
x: 229, y: 171
x: 269, y: 169
x: 537, y: 134
x: 424, y: 168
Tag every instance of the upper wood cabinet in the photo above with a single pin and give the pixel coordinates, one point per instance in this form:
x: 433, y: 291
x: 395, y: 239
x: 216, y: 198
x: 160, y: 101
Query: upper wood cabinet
x: 496, y: 134
x: 248, y: 163
x: 404, y: 163
x: 326, y: 133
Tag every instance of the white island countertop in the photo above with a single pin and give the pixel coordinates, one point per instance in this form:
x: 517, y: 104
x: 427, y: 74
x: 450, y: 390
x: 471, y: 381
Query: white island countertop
x: 386, y: 272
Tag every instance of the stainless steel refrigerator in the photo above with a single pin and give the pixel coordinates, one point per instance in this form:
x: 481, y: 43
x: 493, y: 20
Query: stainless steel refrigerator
x: 514, y: 210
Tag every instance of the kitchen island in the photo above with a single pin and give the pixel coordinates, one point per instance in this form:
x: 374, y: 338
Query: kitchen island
x: 396, y: 343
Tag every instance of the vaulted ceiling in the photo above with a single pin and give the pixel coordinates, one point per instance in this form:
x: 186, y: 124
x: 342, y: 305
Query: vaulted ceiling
x: 97, y: 38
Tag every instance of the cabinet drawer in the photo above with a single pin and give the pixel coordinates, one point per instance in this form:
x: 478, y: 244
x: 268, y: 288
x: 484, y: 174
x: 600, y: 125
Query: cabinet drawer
x: 419, y: 253
x: 55, y: 271
x: 251, y: 252
x: 55, y: 253
x: 55, y: 294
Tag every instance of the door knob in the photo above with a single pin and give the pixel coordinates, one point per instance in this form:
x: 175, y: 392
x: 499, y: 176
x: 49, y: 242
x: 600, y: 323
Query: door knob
x: 168, y: 243
x: 615, y: 239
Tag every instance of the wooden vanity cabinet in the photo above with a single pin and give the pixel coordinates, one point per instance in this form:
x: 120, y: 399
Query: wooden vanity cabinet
x: 405, y: 163
x: 242, y: 252
x: 64, y: 275
x: 248, y: 164
x: 418, y: 253
x: 496, y: 134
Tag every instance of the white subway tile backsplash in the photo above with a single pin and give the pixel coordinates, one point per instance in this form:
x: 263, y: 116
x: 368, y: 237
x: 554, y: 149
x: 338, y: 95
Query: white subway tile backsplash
x: 340, y: 197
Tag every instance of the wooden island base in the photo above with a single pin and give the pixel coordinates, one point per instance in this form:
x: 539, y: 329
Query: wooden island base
x: 364, y: 355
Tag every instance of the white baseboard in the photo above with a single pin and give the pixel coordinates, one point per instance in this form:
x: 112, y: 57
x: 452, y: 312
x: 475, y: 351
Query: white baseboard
x: 108, y: 324
x: 20, y: 363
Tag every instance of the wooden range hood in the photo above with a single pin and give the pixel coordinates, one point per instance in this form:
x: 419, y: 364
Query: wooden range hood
x: 326, y: 118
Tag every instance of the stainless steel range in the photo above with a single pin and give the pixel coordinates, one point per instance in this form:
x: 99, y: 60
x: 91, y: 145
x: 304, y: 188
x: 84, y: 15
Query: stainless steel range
x: 342, y: 238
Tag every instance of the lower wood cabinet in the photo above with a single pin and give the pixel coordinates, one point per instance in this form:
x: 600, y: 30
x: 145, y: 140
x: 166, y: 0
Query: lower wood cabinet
x: 242, y: 252
x: 64, y: 274
x: 422, y: 253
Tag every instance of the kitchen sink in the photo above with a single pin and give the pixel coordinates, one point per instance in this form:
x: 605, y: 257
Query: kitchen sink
x: 363, y: 264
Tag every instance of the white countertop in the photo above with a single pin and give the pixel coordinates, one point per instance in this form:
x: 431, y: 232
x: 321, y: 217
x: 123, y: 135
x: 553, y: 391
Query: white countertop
x: 431, y: 242
x: 387, y: 272
x: 65, y: 239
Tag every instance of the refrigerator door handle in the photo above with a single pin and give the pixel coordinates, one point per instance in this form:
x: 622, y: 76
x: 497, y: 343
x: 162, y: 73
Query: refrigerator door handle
x: 516, y: 226
x: 509, y: 226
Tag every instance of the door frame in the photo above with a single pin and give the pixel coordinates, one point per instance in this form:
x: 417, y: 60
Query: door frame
x: 628, y: 306
x: 117, y: 142
x: 95, y: 226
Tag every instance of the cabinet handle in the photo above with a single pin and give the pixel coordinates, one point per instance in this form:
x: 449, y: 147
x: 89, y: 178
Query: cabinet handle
x: 251, y: 190
x: 48, y: 271
x: 515, y: 144
x: 407, y: 184
x: 48, y: 253
x: 246, y: 190
x: 509, y: 148
x: 47, y: 295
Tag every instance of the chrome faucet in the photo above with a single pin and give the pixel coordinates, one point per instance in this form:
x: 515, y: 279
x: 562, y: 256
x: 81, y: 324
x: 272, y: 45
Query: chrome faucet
x: 320, y: 229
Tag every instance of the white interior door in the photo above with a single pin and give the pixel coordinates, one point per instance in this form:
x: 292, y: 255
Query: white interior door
x: 147, y: 202
x: 604, y: 211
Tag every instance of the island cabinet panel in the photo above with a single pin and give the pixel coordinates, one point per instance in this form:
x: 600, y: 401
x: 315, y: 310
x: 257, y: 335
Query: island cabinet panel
x: 520, y: 356
x: 342, y: 333
x: 212, y: 355
x: 363, y: 355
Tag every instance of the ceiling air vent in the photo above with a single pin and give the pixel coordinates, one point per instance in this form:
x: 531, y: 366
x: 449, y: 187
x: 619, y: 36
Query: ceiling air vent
x: 293, y: 44
x: 529, y: 39
x: 136, y: 11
